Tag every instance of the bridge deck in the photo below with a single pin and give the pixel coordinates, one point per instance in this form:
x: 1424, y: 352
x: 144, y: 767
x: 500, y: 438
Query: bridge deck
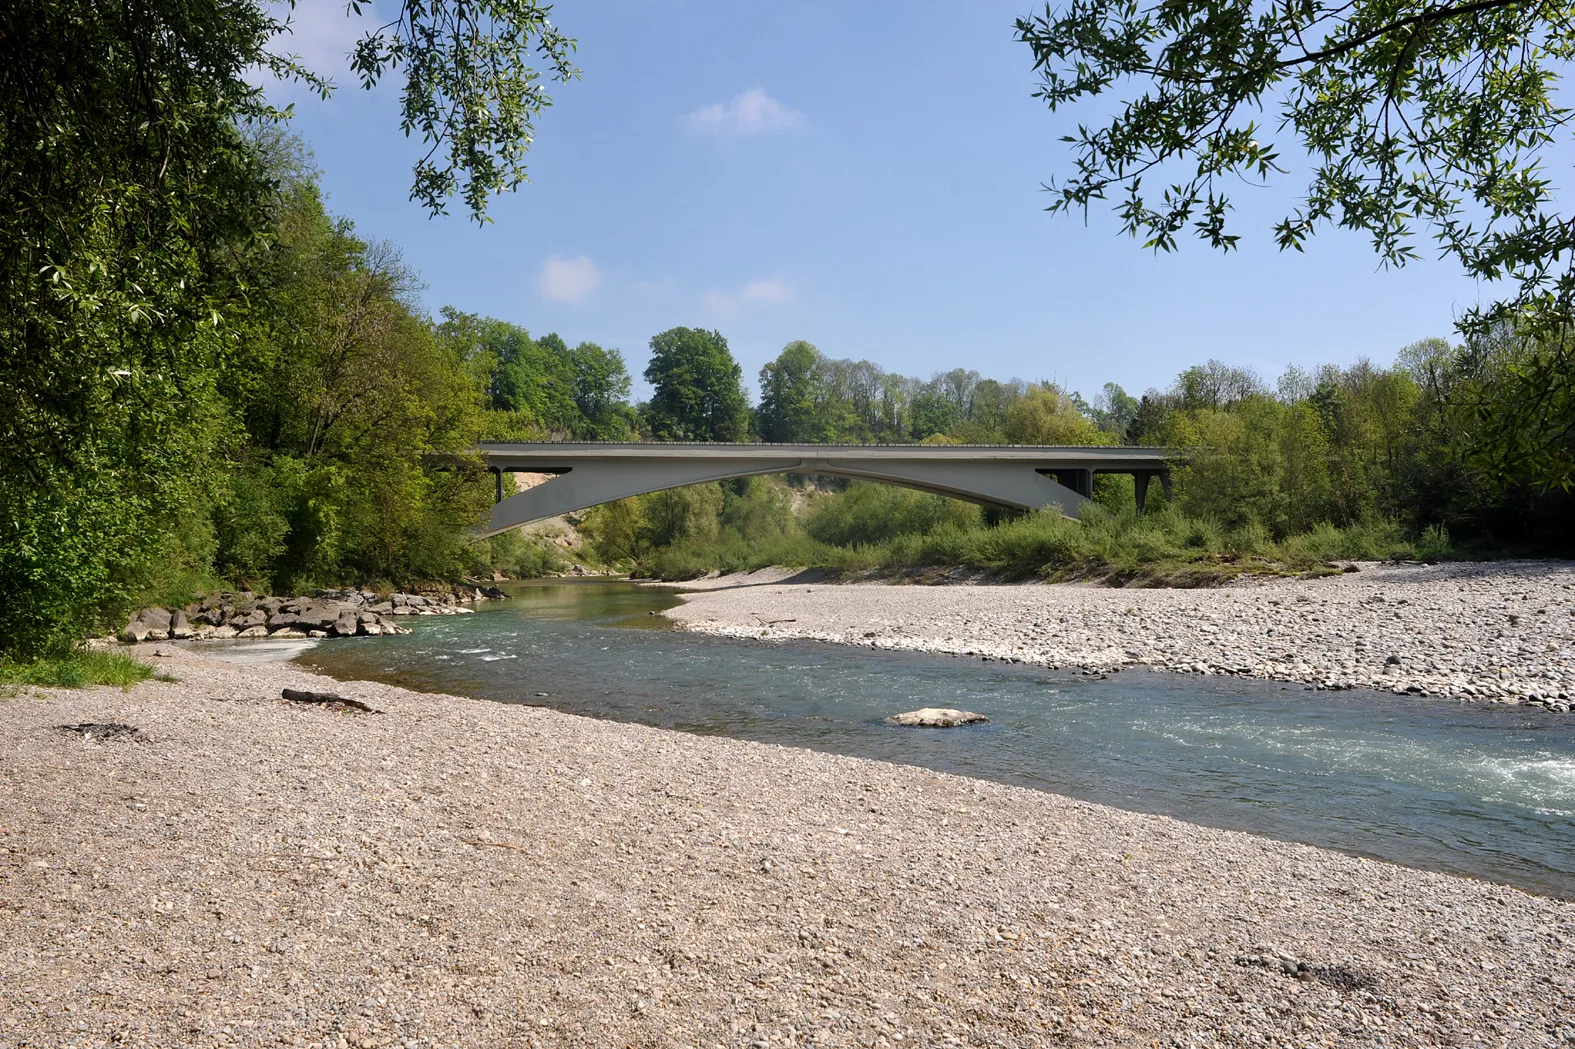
x: 1114, y: 459
x: 1021, y: 477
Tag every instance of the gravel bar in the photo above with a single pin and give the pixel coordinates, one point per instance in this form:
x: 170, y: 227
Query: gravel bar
x: 246, y: 871
x: 1501, y: 632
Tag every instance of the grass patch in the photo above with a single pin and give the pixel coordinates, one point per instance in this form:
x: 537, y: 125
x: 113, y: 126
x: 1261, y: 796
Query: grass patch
x: 78, y: 670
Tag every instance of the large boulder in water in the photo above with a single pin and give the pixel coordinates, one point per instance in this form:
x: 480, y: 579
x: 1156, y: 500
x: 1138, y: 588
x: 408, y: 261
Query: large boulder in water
x: 936, y: 717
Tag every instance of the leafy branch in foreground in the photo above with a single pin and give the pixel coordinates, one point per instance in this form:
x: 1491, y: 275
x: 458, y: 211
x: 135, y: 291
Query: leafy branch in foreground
x: 469, y: 88
x: 1415, y: 115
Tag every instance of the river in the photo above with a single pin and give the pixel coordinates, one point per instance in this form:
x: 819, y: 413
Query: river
x: 1484, y: 791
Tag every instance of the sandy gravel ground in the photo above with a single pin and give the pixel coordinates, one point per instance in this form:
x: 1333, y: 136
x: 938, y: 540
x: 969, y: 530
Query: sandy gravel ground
x: 1503, y: 632
x: 463, y: 873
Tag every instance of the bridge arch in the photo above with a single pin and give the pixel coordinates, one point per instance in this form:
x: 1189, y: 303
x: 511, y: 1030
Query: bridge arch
x: 1012, y: 476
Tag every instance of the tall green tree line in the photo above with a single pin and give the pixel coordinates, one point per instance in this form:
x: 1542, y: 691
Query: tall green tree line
x: 136, y: 212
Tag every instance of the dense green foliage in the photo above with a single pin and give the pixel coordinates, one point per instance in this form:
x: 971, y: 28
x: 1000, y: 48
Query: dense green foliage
x: 126, y: 189
x: 1413, y: 116
x: 540, y: 389
x: 1163, y: 548
x: 697, y: 391
x: 1358, y: 462
x: 340, y: 395
x: 806, y: 396
x: 138, y: 269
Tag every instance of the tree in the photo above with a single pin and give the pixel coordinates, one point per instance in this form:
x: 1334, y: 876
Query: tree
x: 1045, y: 415
x: 1114, y: 408
x: 470, y: 91
x: 1418, y: 116
x: 1151, y: 419
x: 601, y: 392
x: 126, y: 189
x: 133, y: 210
x: 697, y: 388
x: 340, y: 404
x: 792, y: 395
x: 1215, y: 385
x: 930, y: 415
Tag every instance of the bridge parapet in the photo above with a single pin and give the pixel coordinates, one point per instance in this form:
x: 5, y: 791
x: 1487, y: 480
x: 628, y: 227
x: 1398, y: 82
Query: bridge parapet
x: 1018, y: 477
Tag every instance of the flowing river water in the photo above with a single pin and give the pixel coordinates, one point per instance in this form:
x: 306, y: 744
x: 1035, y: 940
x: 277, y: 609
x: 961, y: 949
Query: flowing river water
x: 1479, y: 790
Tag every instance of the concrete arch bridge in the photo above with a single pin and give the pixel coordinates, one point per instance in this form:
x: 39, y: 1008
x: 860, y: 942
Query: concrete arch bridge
x: 1016, y: 477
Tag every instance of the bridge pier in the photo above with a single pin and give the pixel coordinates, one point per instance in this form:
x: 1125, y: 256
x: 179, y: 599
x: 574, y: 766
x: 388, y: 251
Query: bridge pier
x: 1140, y: 479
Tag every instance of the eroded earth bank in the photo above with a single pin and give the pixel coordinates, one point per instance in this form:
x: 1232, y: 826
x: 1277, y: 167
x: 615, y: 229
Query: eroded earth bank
x: 1503, y: 632
x: 453, y: 872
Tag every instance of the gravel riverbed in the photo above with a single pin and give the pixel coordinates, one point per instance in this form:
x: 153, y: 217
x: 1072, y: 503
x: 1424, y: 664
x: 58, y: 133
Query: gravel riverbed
x: 1503, y: 632
x: 452, y: 872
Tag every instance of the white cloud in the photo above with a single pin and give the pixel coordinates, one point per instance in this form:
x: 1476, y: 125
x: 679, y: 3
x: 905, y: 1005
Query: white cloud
x: 767, y: 290
x: 752, y: 113
x: 568, y: 280
x: 772, y: 290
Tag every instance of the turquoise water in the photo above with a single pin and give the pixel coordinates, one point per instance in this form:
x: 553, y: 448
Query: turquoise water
x: 1478, y: 790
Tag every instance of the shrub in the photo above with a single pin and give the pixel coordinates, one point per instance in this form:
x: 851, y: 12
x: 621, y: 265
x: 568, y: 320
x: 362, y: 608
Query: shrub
x: 870, y: 513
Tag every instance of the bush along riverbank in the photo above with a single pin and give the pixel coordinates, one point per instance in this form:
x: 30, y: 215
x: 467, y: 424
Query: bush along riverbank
x: 323, y: 613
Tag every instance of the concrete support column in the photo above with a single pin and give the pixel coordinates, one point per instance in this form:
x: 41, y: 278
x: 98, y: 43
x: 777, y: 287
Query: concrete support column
x: 498, y: 476
x: 1140, y: 480
x: 1080, y: 481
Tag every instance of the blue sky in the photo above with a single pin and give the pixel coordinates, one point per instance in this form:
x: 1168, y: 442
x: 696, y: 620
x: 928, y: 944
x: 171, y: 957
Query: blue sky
x: 864, y: 176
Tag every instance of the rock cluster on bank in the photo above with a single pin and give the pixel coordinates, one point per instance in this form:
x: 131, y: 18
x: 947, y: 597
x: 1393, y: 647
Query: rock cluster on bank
x: 325, y: 613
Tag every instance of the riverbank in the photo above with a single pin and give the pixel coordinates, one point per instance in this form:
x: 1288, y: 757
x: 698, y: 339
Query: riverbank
x: 454, y: 872
x: 1501, y: 631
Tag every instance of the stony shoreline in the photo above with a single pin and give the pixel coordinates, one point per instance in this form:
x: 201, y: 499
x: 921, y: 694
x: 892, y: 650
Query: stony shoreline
x: 323, y: 613
x: 452, y: 872
x: 1500, y: 632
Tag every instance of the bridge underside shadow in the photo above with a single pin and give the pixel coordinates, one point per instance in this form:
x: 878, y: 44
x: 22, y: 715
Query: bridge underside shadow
x: 1011, y: 478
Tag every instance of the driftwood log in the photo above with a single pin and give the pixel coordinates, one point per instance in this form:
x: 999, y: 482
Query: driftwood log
x: 296, y: 695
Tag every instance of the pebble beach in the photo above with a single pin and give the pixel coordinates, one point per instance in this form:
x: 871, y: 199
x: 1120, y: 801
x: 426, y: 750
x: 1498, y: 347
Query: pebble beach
x: 247, y: 871
x: 1499, y: 632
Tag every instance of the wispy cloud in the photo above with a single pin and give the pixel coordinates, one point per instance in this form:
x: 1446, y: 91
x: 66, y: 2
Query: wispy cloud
x: 568, y: 280
x: 768, y: 290
x: 752, y: 113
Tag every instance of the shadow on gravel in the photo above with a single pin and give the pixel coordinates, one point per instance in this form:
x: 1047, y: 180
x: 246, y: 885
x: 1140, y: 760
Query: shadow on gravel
x: 91, y: 730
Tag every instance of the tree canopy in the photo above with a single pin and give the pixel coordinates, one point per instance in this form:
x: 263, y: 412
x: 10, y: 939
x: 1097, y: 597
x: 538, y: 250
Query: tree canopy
x: 697, y: 388
x: 1417, y: 117
x: 146, y: 221
x: 792, y: 395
